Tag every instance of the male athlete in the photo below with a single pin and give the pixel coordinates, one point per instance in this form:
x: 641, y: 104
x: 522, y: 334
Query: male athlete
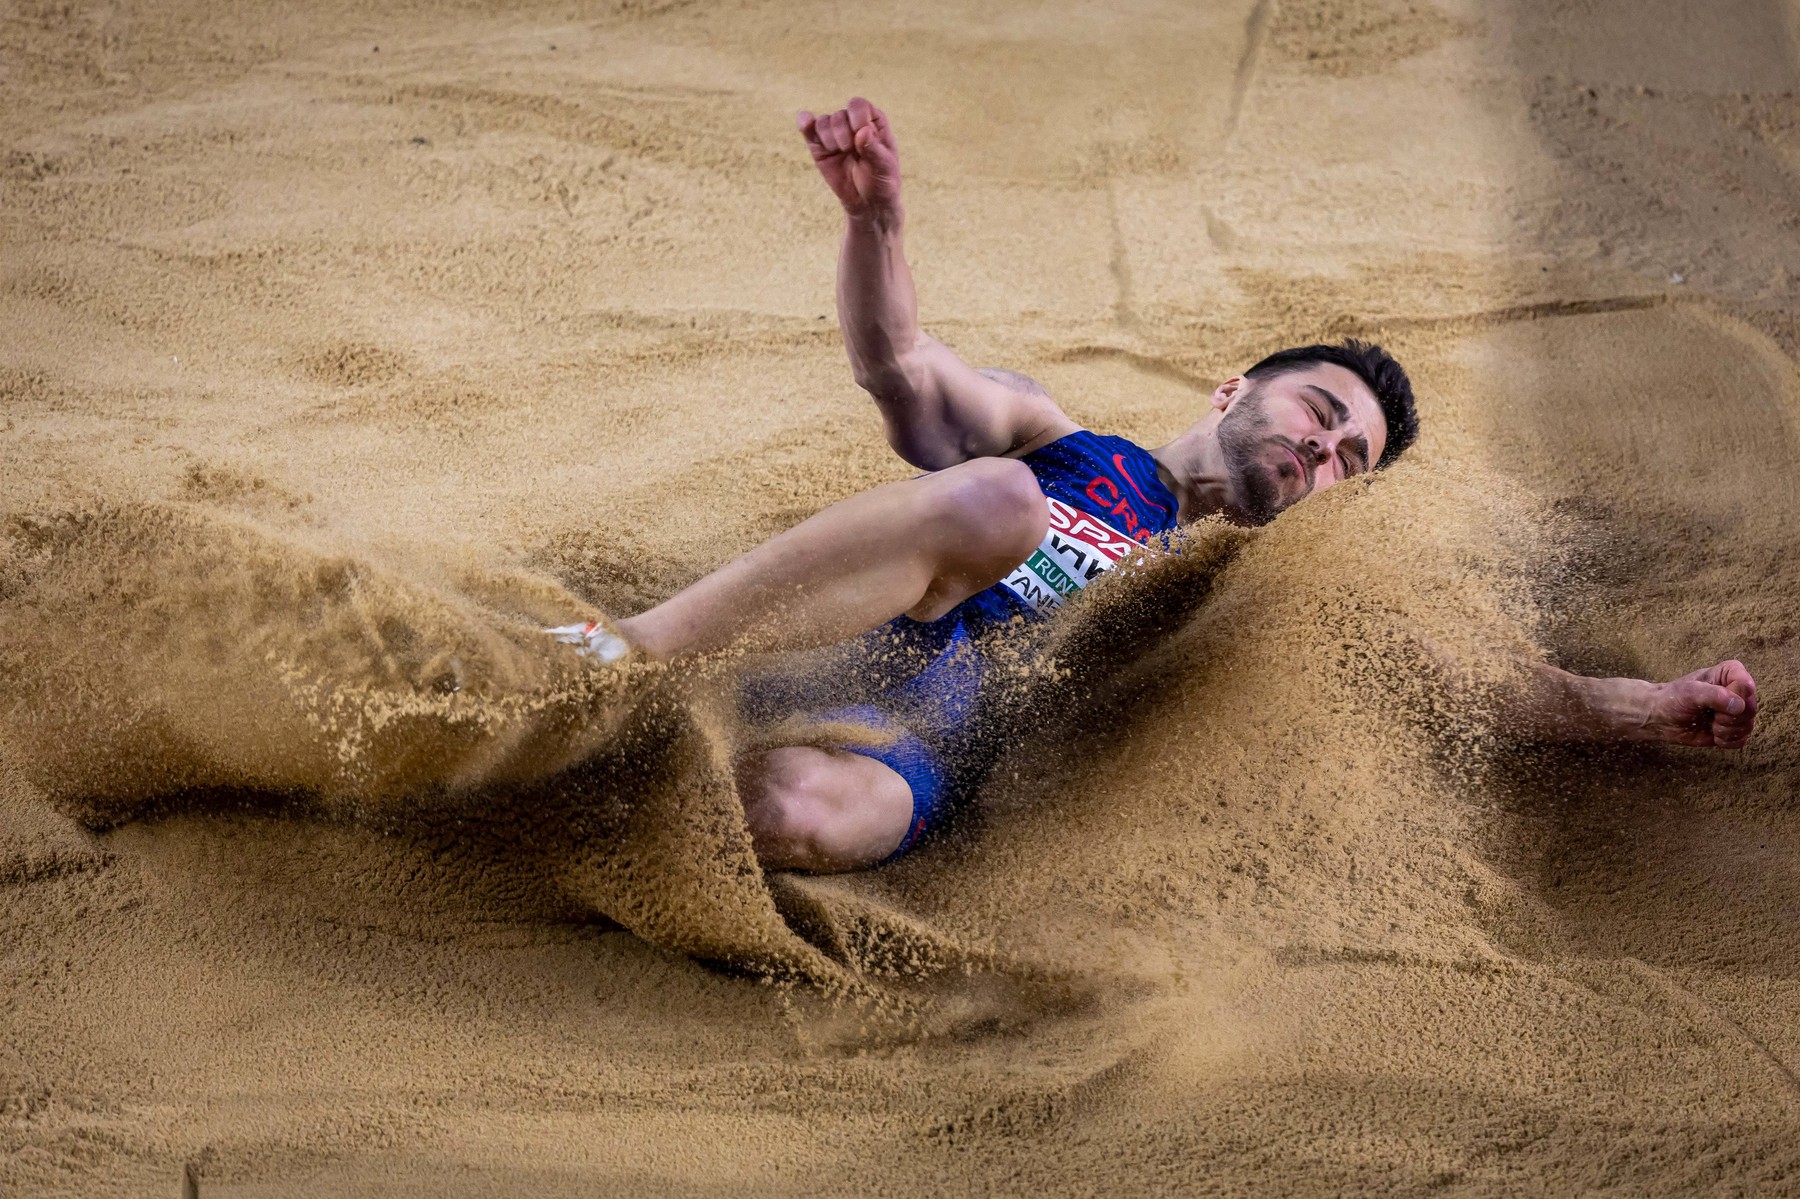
x: 1021, y: 508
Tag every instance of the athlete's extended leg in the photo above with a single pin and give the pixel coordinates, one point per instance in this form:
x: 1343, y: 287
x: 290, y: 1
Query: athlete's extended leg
x: 916, y: 548
x: 823, y: 810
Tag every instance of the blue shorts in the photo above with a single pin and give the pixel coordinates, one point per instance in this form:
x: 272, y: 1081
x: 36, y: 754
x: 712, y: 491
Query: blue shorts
x: 919, y: 686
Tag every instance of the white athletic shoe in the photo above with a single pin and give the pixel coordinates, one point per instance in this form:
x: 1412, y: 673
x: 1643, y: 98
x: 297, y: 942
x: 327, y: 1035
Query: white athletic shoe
x: 592, y: 640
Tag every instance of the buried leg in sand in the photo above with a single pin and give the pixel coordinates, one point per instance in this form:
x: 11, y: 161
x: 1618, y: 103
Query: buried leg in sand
x: 1022, y: 508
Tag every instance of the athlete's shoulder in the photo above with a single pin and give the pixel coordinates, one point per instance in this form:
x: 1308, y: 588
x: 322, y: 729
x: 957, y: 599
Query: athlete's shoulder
x: 1087, y: 441
x: 1114, y: 442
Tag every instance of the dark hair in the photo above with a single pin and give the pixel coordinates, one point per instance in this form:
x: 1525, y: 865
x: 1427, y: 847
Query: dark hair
x: 1374, y: 366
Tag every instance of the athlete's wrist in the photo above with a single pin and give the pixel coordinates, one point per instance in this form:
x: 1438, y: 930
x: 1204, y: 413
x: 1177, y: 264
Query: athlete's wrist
x: 1621, y: 709
x: 883, y: 220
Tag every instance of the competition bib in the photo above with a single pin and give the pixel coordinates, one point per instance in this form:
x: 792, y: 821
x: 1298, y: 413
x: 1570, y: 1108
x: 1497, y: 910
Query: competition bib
x: 1073, y: 553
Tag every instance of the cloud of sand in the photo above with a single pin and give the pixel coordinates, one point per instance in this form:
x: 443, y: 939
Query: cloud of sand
x: 160, y: 655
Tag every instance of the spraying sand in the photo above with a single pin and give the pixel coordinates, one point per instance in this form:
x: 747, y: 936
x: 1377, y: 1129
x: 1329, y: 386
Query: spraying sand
x: 345, y: 352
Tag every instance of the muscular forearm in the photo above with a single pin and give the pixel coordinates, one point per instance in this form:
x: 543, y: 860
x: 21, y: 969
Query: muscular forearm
x: 1715, y: 706
x: 877, y: 308
x: 1554, y: 705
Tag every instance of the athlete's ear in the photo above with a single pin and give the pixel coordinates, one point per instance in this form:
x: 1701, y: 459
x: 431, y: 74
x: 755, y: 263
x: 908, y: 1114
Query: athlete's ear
x: 1228, y: 392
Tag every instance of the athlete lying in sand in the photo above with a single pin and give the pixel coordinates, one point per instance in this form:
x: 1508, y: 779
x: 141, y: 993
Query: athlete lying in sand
x: 1022, y: 508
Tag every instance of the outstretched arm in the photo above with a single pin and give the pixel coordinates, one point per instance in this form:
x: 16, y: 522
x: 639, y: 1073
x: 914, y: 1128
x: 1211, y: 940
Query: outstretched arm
x: 1713, y: 707
x: 938, y: 410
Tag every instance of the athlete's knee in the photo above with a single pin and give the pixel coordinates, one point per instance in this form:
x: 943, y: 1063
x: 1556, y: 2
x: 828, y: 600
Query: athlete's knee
x: 990, y: 510
x: 778, y: 792
x: 813, y: 809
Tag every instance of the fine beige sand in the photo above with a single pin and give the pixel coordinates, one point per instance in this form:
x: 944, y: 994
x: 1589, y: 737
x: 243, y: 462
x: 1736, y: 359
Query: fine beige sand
x: 344, y: 347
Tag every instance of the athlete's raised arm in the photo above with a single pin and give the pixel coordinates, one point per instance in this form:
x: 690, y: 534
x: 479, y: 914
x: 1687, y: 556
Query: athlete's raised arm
x: 938, y: 410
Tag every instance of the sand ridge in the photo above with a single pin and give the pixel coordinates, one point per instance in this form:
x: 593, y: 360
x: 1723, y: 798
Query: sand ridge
x: 343, y: 349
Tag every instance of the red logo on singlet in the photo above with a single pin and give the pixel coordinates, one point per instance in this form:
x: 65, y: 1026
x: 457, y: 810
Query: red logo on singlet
x: 1104, y: 492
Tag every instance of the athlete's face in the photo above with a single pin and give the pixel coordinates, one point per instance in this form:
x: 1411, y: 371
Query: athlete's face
x: 1288, y: 436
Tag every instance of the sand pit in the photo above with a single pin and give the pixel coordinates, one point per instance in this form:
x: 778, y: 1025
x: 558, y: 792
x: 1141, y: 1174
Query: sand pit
x: 344, y: 349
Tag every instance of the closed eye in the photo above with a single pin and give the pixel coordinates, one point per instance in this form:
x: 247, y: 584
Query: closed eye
x: 1357, y: 460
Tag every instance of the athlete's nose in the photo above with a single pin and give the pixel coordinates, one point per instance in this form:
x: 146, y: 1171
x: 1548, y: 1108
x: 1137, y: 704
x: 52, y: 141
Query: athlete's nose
x: 1315, y: 445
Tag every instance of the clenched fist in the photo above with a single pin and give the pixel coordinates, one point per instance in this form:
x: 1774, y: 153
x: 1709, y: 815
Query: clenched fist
x: 1711, y: 707
x: 854, y: 149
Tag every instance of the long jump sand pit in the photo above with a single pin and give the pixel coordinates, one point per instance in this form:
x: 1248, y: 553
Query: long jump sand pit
x: 343, y: 350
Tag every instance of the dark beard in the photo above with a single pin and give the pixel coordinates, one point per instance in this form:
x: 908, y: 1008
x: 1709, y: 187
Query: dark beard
x: 1242, y: 434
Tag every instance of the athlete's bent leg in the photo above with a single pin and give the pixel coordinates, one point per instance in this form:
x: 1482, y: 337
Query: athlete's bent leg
x: 916, y: 548
x: 822, y: 810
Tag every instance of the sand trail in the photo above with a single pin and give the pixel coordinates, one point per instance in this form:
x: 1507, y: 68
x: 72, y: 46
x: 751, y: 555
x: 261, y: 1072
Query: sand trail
x: 156, y: 650
x: 413, y: 330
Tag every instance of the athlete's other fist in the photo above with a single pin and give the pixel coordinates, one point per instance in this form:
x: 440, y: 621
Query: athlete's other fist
x: 1711, y: 707
x: 854, y: 149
